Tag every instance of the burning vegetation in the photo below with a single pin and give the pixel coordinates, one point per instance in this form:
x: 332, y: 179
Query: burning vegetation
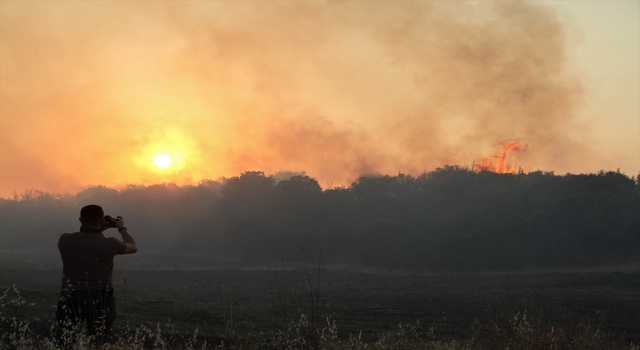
x: 497, y: 163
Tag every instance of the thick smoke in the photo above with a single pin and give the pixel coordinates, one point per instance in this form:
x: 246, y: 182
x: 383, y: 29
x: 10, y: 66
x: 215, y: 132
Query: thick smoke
x: 90, y: 90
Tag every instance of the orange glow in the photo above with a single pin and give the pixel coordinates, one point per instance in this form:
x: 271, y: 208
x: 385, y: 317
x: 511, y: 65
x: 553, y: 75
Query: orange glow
x: 497, y: 163
x: 93, y: 92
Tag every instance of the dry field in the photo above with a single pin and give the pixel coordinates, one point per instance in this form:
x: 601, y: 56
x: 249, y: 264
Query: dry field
x: 272, y: 308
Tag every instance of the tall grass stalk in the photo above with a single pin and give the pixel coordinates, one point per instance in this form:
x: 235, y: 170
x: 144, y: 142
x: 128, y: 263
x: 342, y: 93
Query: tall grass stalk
x: 231, y: 324
x: 281, y: 296
x: 318, y: 287
x: 124, y: 308
x: 284, y: 291
x: 308, y: 282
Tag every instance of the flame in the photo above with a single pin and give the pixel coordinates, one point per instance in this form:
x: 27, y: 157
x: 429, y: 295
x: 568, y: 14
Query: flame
x: 497, y: 163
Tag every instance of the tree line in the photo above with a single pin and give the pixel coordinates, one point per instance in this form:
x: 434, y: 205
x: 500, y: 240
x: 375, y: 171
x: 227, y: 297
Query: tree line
x: 451, y: 218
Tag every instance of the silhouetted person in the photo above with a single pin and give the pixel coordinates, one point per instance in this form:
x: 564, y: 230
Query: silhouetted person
x: 87, y: 274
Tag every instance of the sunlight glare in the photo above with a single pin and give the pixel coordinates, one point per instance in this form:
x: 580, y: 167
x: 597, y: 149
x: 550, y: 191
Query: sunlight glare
x: 163, y: 161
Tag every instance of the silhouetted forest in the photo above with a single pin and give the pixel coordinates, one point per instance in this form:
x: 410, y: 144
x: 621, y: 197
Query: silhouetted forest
x: 448, y: 219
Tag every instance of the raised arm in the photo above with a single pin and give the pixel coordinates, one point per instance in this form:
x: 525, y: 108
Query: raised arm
x: 130, y: 243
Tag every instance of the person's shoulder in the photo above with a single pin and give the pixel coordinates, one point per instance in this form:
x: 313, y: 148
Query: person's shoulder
x: 66, y: 236
x: 113, y: 240
x: 117, y: 245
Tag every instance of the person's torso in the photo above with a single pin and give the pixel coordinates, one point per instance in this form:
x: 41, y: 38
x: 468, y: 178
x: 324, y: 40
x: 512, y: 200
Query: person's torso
x: 87, y: 260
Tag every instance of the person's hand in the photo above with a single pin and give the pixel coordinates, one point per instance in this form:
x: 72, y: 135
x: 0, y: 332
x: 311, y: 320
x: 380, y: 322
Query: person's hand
x: 119, y: 223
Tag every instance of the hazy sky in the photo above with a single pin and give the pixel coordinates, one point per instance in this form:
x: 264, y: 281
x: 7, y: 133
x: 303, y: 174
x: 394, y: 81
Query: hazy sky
x: 92, y: 92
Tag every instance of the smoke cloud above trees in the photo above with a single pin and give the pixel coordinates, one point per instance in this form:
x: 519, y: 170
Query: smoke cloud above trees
x: 92, y: 91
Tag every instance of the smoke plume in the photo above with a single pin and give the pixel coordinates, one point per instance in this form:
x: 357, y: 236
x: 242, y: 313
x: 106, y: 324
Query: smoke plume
x: 91, y: 91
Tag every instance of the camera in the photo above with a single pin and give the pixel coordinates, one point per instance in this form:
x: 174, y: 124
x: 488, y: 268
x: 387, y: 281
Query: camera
x: 110, y: 221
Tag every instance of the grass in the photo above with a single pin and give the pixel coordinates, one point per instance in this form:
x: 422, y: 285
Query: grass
x: 236, y: 309
x: 518, y: 334
x: 293, y: 328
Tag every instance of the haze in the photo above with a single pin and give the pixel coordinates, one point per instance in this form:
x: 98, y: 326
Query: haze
x: 92, y: 92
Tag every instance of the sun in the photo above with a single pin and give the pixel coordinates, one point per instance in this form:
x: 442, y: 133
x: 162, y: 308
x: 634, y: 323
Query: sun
x: 163, y: 161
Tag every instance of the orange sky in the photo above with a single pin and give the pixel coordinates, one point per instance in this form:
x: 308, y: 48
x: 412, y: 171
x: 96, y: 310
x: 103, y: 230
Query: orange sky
x: 91, y: 92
